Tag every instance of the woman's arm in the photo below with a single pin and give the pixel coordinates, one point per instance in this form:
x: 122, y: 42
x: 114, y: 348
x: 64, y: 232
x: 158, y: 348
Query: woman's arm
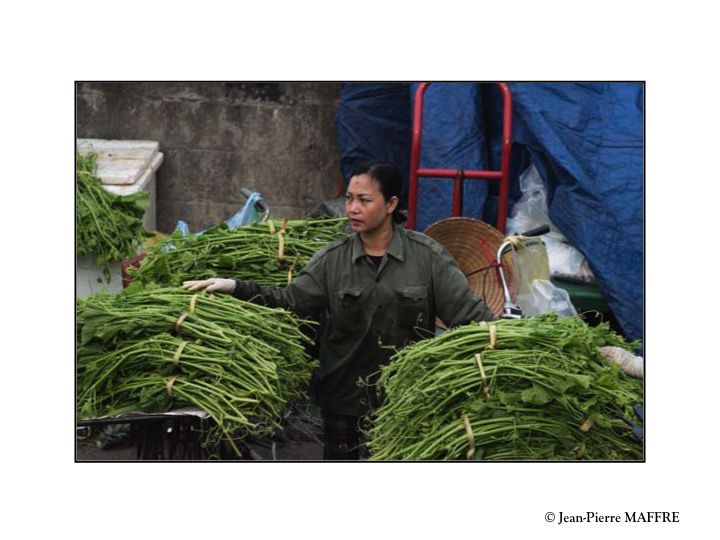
x: 303, y: 295
x: 456, y: 303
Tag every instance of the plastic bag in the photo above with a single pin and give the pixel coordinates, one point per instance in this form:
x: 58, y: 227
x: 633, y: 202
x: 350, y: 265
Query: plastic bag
x: 248, y: 214
x: 530, y: 211
x: 182, y: 227
x: 568, y: 262
x: 546, y: 297
x: 530, y: 263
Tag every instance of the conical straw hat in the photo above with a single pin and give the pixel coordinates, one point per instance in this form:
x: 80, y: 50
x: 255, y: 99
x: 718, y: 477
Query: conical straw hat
x: 474, y: 244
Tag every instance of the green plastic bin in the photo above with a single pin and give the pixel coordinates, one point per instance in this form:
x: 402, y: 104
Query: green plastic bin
x: 585, y: 296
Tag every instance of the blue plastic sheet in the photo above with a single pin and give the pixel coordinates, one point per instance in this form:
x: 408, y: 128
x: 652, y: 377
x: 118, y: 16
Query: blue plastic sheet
x: 247, y: 214
x: 373, y: 122
x: 585, y: 139
x: 587, y: 142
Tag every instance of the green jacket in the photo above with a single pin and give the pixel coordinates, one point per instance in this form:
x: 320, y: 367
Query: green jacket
x: 371, y: 312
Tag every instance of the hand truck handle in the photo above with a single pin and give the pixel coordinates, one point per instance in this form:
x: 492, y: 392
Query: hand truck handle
x: 537, y: 231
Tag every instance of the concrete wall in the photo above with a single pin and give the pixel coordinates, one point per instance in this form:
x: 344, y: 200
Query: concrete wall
x: 275, y: 138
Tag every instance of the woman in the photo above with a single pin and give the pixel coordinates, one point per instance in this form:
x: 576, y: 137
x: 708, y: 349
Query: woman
x: 381, y: 287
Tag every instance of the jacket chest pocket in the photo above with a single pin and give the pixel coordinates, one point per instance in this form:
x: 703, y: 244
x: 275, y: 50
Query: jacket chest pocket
x: 347, y: 312
x: 412, y: 305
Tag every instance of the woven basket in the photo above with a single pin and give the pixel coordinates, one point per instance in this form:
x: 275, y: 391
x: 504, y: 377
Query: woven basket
x: 474, y: 244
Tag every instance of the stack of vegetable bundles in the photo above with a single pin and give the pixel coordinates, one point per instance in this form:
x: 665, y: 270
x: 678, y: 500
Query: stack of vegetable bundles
x: 530, y: 389
x: 269, y: 253
x: 160, y: 348
x: 108, y: 226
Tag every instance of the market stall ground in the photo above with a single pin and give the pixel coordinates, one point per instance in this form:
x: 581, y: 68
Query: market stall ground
x: 177, y: 438
x: 87, y: 450
x: 297, y: 449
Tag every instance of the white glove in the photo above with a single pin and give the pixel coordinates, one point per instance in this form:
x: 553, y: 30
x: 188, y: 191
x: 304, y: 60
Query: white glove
x: 220, y: 285
x: 628, y: 362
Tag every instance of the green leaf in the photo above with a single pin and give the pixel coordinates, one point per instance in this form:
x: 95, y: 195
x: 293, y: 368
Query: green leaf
x: 175, y: 237
x: 226, y: 261
x: 536, y: 395
x: 587, y: 404
x: 583, y: 381
x: 608, y: 380
x: 133, y: 287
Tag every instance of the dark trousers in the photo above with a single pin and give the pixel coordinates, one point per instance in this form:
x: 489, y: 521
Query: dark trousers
x: 342, y: 437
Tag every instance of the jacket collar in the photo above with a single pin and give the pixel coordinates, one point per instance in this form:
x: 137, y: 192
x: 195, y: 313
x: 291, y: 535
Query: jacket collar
x: 396, y: 248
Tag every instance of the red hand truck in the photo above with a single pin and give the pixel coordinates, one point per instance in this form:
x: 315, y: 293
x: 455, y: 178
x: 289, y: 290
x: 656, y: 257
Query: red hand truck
x: 459, y: 175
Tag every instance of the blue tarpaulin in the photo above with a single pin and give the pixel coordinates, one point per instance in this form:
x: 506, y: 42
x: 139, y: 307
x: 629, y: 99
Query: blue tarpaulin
x: 586, y: 140
x: 373, y: 122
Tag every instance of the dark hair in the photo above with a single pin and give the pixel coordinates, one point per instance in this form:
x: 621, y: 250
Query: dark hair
x: 388, y: 178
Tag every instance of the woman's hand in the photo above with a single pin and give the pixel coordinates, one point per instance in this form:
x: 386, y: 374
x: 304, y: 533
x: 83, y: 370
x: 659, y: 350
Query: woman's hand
x: 220, y: 285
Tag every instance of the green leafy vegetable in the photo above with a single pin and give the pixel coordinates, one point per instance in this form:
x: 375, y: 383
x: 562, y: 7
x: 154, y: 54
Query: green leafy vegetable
x: 106, y: 225
x: 160, y: 348
x: 269, y: 253
x: 542, y: 391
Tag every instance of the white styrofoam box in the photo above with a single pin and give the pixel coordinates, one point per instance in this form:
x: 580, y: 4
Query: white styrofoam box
x: 120, y: 162
x: 89, y: 278
x: 147, y: 183
x: 126, y: 167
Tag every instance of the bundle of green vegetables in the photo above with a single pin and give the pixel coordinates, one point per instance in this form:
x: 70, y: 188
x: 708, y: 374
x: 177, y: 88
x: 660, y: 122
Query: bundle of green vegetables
x: 160, y: 348
x: 106, y: 225
x: 269, y: 253
x: 531, y: 389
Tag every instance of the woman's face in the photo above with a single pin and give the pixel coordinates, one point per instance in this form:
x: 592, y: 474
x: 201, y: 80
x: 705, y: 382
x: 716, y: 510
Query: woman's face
x: 365, y: 205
